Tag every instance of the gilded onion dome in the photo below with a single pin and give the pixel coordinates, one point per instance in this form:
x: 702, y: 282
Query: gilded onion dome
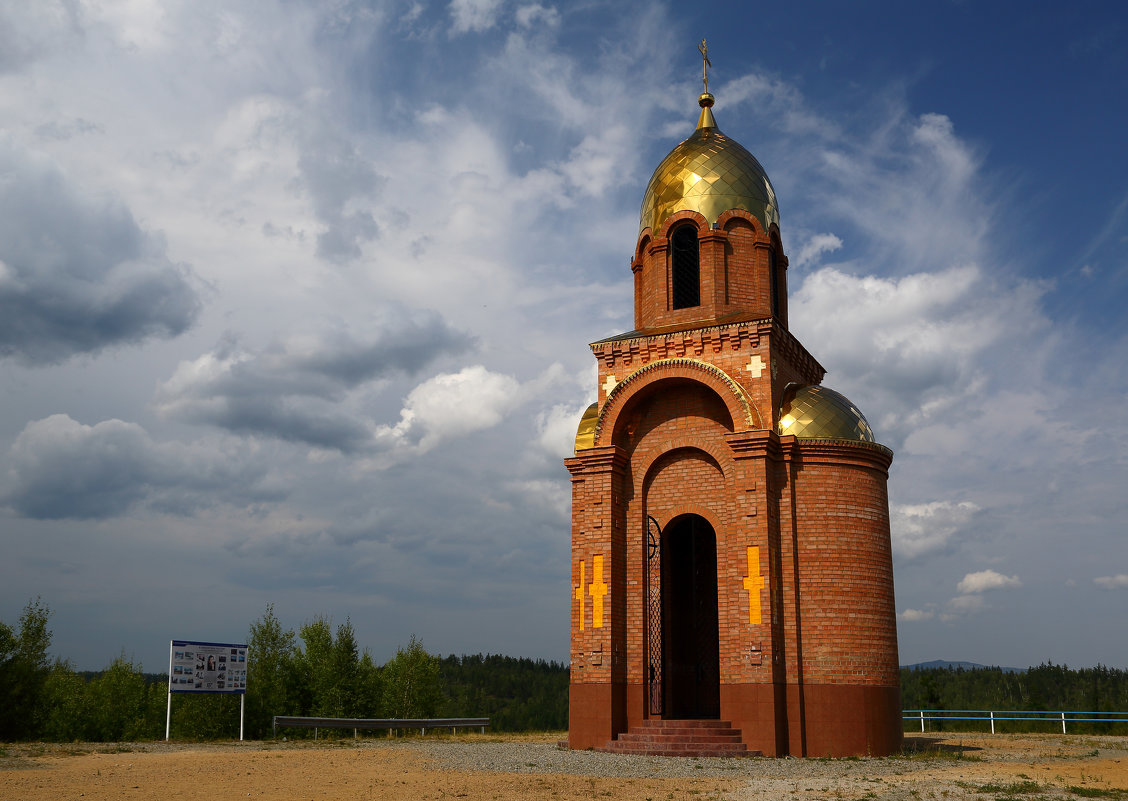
x: 585, y: 432
x: 815, y: 412
x: 710, y: 174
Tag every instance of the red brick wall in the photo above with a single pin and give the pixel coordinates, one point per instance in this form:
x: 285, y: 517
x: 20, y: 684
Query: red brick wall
x: 845, y: 579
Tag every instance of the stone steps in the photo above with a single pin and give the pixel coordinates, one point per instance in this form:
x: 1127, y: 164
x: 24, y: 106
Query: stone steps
x: 684, y: 738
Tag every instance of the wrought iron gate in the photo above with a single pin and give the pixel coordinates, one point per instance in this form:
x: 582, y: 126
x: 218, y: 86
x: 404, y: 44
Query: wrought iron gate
x: 654, y: 614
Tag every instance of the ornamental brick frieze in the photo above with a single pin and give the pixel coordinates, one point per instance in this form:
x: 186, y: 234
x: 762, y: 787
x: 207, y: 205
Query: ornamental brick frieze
x: 646, y: 349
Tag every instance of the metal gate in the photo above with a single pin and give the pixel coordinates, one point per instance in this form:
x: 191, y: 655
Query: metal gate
x: 654, y: 615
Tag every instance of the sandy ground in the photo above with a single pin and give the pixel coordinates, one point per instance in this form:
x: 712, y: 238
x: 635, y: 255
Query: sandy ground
x: 944, y: 767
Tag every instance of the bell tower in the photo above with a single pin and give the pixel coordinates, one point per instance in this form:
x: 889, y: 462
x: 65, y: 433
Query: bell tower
x: 731, y: 559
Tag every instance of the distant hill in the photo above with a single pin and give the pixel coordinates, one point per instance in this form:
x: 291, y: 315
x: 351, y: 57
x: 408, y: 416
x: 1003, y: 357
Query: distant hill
x: 943, y: 664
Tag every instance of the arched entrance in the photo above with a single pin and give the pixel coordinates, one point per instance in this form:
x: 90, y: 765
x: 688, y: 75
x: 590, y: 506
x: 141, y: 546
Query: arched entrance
x: 690, y: 641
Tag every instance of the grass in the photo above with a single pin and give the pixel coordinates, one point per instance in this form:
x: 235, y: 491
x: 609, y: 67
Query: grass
x: 1014, y: 788
x: 1115, y: 793
x: 948, y: 754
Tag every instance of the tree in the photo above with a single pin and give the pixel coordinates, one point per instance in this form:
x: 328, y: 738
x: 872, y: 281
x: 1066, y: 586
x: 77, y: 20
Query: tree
x: 24, y: 669
x: 122, y: 706
x: 65, y: 699
x: 271, y: 673
x: 344, y: 673
x: 313, y: 663
x: 413, y: 687
x: 370, y: 688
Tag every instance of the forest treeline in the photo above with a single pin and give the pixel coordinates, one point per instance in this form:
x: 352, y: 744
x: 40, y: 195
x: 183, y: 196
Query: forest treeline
x: 1046, y: 687
x: 318, y: 670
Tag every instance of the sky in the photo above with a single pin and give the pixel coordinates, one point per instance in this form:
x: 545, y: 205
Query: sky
x: 296, y: 297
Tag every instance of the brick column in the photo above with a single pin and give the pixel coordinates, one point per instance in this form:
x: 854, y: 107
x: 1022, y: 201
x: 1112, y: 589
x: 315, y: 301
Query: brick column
x: 597, y: 704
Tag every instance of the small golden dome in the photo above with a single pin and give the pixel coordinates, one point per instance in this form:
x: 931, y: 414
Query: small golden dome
x: 815, y: 412
x: 585, y: 432
x: 710, y: 174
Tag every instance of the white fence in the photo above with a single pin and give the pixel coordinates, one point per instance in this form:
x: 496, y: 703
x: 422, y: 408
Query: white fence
x: 1042, y: 716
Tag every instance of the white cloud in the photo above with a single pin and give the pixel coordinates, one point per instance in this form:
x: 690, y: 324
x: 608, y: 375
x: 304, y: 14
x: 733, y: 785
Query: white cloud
x: 536, y: 14
x: 452, y: 405
x: 815, y: 247
x: 473, y: 15
x: 1119, y: 581
x: 962, y: 605
x: 553, y: 495
x: 302, y: 388
x: 557, y: 429
x: 985, y: 580
x: 918, y: 344
x: 919, y: 529
x: 915, y: 615
x: 29, y: 31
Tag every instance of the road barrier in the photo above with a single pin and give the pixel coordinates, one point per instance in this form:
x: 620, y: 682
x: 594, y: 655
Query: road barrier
x: 378, y: 723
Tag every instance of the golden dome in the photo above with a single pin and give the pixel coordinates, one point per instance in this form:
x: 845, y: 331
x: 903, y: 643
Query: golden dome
x: 710, y: 174
x: 815, y: 412
x: 585, y: 432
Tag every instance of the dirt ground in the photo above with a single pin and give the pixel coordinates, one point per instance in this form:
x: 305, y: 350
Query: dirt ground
x: 943, y: 767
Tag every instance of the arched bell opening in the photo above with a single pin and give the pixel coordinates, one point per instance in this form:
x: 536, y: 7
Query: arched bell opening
x: 690, y: 638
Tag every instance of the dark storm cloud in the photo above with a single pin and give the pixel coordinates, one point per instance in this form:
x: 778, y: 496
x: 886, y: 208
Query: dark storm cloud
x: 78, y: 275
x: 340, y: 182
x: 60, y: 468
x: 297, y: 390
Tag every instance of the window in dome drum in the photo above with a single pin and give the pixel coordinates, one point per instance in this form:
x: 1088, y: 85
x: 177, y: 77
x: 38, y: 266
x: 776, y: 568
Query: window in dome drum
x: 686, y: 273
x: 773, y: 281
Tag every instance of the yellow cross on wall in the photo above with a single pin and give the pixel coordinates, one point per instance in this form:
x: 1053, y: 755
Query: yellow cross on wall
x: 754, y: 582
x: 609, y: 384
x: 580, y: 594
x: 755, y: 365
x: 597, y: 590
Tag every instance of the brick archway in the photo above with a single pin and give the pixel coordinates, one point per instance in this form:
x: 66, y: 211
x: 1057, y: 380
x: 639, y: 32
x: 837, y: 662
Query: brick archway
x: 743, y: 414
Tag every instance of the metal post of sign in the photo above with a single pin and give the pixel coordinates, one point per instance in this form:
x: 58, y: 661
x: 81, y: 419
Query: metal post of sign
x: 168, y: 711
x: 242, y: 702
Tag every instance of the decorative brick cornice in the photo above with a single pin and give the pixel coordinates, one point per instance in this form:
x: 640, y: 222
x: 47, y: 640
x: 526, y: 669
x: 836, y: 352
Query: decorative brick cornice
x: 838, y: 450
x: 596, y: 460
x: 680, y: 341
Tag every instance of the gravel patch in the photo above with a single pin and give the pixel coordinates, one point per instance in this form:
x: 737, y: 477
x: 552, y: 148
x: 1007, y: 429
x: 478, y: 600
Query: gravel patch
x: 517, y: 757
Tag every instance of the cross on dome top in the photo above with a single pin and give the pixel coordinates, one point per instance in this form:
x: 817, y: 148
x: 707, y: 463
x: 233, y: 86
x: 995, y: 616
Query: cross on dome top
x: 703, y: 49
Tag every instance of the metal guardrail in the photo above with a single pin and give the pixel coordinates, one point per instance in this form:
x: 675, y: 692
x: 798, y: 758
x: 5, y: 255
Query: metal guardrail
x: 1001, y: 715
x: 378, y: 723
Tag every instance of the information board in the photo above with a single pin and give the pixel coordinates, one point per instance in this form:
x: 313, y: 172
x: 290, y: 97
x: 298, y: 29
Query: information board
x: 207, y: 667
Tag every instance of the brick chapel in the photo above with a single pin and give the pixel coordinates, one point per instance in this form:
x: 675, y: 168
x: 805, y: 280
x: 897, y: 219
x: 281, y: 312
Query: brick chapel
x: 731, y: 565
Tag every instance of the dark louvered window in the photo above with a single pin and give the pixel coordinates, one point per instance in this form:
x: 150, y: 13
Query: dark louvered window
x: 686, y: 274
x: 773, y: 281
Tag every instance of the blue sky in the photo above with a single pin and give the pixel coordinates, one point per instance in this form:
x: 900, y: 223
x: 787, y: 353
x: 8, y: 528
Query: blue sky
x: 295, y: 301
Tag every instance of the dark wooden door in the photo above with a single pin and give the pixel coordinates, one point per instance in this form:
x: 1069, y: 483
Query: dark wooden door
x: 689, y: 619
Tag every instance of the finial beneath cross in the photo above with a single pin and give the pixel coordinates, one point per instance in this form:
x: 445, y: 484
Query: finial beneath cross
x: 703, y: 49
